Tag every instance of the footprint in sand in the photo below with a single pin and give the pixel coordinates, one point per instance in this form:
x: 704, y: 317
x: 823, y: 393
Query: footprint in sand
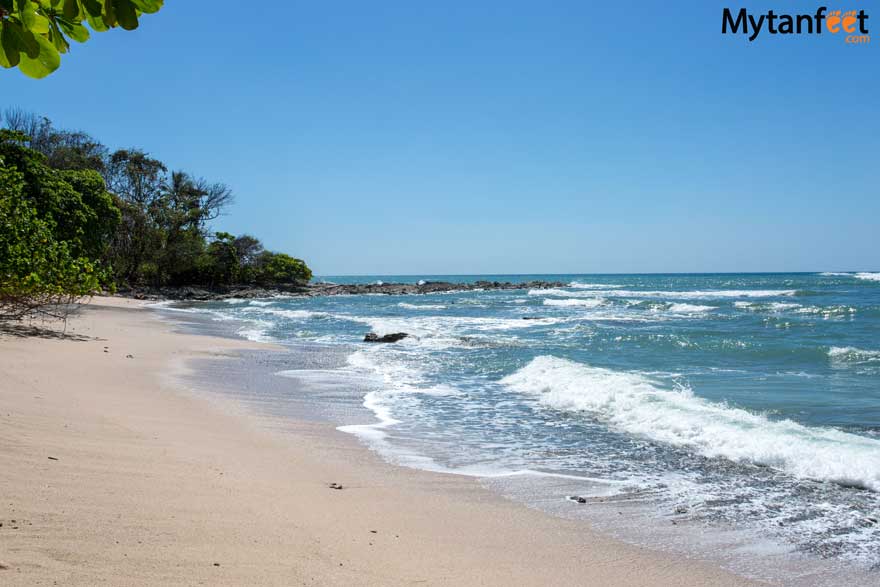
x: 833, y: 21
x: 849, y: 21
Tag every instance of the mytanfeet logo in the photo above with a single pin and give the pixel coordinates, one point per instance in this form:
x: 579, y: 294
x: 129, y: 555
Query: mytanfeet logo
x: 852, y: 25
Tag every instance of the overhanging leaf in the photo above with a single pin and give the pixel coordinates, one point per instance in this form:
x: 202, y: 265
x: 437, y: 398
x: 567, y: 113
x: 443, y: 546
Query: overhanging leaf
x: 74, y: 30
x: 126, y: 14
x: 9, y: 52
x: 47, y: 60
x: 58, y: 40
x: 25, y: 40
x: 71, y: 9
x: 148, y: 6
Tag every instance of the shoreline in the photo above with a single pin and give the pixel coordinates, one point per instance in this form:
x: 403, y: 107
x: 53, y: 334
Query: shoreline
x: 156, y: 484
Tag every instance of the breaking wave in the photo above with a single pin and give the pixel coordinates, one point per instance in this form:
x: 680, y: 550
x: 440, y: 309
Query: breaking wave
x: 682, y: 295
x: 848, y: 354
x: 634, y: 404
x: 583, y: 302
x: 868, y: 276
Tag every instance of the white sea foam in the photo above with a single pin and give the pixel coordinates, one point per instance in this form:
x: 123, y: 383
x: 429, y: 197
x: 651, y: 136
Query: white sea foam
x: 689, y: 308
x: 827, y: 311
x: 421, y: 306
x: 683, y: 295
x: 398, y: 382
x: 848, y: 354
x: 579, y: 285
x: 835, y: 274
x: 634, y: 404
x: 171, y: 306
x: 446, y: 327
x: 294, y: 314
x: 261, y: 303
x: 868, y: 276
x: 393, y: 379
x: 256, y: 331
x: 772, y: 306
x: 583, y: 302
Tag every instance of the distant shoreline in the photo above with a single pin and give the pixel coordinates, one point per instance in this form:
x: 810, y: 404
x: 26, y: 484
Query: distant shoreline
x: 193, y: 293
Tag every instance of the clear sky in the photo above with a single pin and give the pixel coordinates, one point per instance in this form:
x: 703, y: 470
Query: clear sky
x: 499, y: 136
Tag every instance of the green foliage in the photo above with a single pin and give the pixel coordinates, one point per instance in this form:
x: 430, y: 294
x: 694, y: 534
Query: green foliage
x: 34, y: 33
x: 76, y: 218
x: 63, y: 149
x: 75, y: 204
x: 220, y: 264
x: 38, y: 272
x: 281, y: 269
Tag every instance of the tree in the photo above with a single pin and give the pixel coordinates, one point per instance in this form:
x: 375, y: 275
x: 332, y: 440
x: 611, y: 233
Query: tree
x: 281, y: 269
x: 38, y: 273
x: 248, y: 249
x: 137, y: 181
x: 63, y: 149
x: 34, y: 33
x: 75, y: 205
x: 122, y: 217
x: 220, y: 264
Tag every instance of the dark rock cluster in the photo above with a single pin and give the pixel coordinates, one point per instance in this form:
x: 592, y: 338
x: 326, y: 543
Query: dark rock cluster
x: 327, y: 289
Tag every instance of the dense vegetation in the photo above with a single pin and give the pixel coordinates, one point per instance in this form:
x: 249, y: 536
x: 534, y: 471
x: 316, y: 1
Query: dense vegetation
x: 34, y: 33
x: 76, y: 218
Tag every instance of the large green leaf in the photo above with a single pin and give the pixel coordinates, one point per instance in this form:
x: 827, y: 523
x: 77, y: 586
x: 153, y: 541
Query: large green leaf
x: 93, y: 7
x: 148, y: 6
x: 126, y: 14
x: 25, y: 40
x: 72, y: 10
x: 97, y: 23
x: 9, y: 52
x: 47, y: 60
x: 58, y: 40
x: 74, y: 30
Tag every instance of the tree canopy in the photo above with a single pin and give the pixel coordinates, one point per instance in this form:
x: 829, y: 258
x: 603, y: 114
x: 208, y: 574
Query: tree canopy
x: 76, y: 217
x: 50, y: 231
x: 35, y: 33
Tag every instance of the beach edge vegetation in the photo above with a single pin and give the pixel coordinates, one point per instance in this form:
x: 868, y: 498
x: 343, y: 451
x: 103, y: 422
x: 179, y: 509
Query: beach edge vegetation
x: 35, y: 33
x: 77, y: 219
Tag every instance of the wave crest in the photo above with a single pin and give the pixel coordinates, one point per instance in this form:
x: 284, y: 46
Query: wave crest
x: 634, y: 404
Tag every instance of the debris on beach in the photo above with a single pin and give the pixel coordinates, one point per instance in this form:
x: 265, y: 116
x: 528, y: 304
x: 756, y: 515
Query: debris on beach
x: 335, y: 486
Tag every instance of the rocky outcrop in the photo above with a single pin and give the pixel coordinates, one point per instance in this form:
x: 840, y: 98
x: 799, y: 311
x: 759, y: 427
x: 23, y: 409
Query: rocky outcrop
x: 326, y: 289
x: 373, y: 337
x: 425, y: 287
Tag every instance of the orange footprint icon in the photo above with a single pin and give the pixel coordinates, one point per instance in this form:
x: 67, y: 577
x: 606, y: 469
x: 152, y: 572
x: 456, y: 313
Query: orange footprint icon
x: 833, y: 21
x: 849, y: 21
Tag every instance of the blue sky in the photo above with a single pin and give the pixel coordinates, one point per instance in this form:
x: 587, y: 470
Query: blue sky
x: 499, y: 137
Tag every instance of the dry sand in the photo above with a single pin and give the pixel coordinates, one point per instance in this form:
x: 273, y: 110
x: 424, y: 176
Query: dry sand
x: 113, y: 474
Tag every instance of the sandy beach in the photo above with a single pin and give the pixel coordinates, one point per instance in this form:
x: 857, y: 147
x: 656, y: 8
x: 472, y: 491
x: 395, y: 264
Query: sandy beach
x: 114, y: 473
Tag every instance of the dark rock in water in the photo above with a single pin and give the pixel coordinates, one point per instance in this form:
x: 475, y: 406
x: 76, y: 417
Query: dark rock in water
x: 394, y: 337
x: 578, y: 498
x: 191, y: 293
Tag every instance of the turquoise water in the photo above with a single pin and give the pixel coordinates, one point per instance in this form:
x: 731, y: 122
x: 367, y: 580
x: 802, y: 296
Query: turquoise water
x: 751, y: 400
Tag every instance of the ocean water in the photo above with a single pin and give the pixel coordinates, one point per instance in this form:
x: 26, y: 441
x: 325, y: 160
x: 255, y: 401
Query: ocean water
x: 746, y: 403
